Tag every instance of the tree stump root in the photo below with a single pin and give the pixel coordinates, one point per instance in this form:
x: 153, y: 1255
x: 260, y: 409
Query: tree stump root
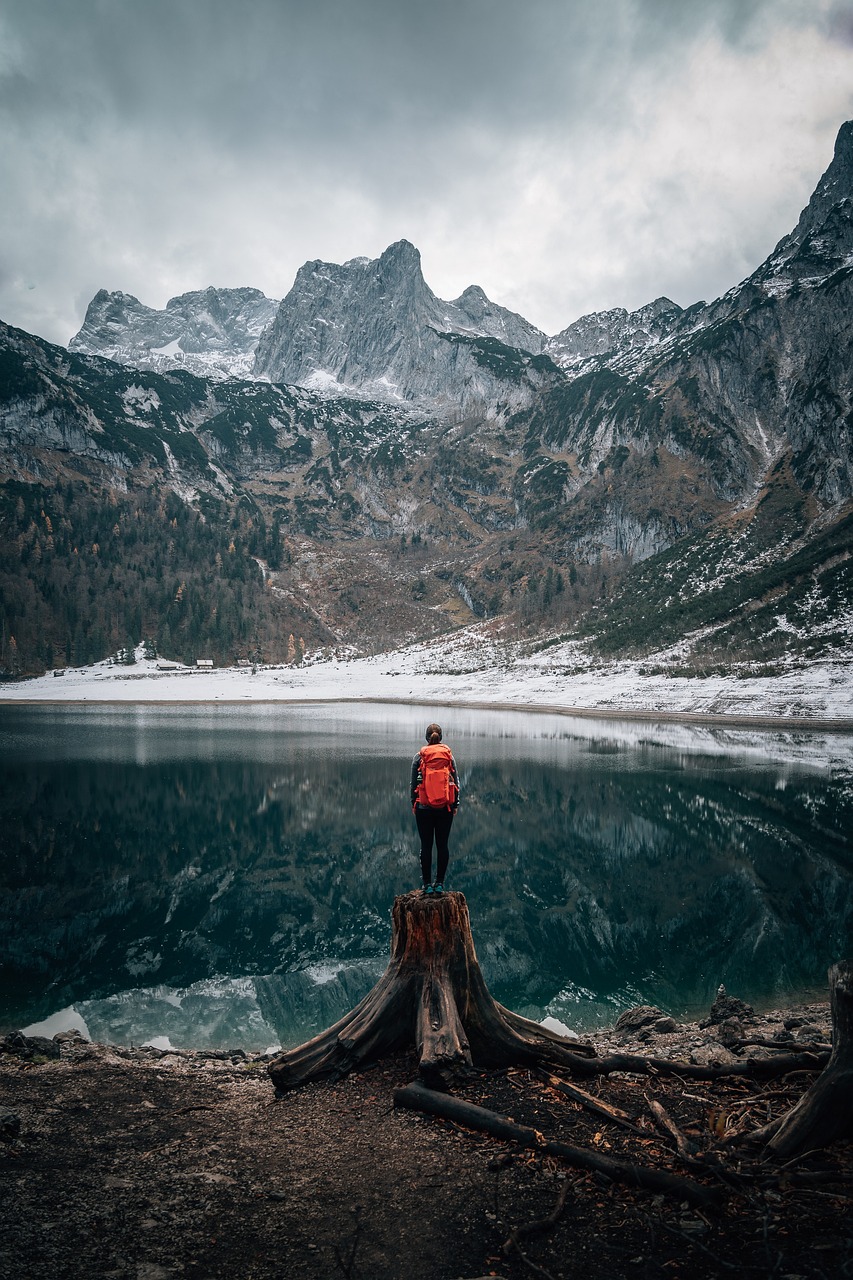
x: 824, y: 1114
x: 432, y: 995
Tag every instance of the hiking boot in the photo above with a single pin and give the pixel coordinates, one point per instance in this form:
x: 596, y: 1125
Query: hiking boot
x: 428, y: 890
x: 438, y: 888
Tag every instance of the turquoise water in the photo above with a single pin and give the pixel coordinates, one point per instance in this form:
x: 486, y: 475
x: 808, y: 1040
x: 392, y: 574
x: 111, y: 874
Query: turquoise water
x: 224, y: 876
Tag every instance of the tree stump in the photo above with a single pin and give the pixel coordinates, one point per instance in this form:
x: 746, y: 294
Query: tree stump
x: 824, y: 1114
x: 433, y: 996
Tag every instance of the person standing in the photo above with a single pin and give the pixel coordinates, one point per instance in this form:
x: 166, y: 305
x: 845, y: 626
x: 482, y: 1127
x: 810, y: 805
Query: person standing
x: 435, y: 799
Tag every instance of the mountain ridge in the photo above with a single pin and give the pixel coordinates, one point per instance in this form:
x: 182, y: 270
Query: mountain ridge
x: 488, y: 480
x: 211, y: 332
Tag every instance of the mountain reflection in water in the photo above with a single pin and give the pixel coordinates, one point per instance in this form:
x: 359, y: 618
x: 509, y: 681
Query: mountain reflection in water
x: 224, y: 876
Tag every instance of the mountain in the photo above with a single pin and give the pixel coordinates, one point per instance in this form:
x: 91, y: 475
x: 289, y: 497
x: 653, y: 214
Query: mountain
x: 376, y: 327
x: 700, y: 459
x: 613, y: 334
x: 211, y: 332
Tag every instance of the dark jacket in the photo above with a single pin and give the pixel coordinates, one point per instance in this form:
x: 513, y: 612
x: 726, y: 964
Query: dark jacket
x: 416, y: 768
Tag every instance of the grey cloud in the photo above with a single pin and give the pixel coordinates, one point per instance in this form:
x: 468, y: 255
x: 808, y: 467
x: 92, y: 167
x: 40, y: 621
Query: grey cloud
x: 288, y: 66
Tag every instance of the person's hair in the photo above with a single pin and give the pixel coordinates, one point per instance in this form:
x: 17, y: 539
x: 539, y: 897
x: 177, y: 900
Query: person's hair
x: 433, y: 733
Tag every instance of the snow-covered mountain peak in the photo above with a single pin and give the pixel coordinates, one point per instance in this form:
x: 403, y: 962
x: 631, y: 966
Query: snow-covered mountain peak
x: 614, y: 334
x: 212, y: 332
x: 375, y: 327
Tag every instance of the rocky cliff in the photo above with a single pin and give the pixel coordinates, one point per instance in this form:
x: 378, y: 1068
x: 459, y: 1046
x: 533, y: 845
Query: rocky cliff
x: 376, y: 328
x: 211, y: 332
x: 613, y: 334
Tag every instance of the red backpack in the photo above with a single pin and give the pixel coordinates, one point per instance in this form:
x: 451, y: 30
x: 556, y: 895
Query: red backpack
x: 437, y: 788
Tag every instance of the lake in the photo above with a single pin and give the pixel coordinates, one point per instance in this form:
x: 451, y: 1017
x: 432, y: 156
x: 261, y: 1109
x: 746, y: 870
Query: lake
x: 223, y: 876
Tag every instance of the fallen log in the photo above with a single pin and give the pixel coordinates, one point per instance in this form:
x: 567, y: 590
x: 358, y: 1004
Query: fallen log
x: 416, y: 1097
x: 752, y: 1068
x: 433, y: 996
x: 824, y: 1114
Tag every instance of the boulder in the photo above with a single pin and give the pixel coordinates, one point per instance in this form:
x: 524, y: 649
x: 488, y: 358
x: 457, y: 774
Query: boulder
x: 644, y: 1017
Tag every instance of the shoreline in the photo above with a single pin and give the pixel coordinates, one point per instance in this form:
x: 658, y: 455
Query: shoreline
x: 469, y: 670
x: 842, y: 725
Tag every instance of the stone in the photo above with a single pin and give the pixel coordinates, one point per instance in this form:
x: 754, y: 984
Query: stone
x: 641, y: 1016
x: 729, y: 1032
x: 726, y: 1006
x: 29, y: 1046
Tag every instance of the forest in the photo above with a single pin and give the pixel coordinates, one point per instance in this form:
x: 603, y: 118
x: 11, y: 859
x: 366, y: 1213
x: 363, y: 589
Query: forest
x: 87, y: 575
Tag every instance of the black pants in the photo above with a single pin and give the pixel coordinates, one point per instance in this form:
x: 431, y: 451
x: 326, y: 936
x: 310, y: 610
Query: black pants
x: 434, y: 824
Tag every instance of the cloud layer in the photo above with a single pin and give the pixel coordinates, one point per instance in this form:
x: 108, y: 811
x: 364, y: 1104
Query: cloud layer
x: 566, y: 157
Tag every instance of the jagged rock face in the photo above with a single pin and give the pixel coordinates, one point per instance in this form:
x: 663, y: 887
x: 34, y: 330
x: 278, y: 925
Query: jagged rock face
x: 613, y: 333
x: 486, y: 319
x: 732, y: 385
x: 211, y: 332
x: 376, y: 328
x: 768, y: 363
x: 833, y: 188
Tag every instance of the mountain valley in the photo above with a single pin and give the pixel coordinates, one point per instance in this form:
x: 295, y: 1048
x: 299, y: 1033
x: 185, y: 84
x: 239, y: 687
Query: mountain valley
x: 363, y: 465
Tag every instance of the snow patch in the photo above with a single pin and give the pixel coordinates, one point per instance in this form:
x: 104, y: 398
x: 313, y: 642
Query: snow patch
x: 554, y: 1024
x: 475, y: 666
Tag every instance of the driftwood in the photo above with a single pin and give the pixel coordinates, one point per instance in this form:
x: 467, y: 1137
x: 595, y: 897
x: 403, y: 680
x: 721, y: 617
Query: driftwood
x: 432, y: 995
x: 416, y: 1097
x: 825, y: 1112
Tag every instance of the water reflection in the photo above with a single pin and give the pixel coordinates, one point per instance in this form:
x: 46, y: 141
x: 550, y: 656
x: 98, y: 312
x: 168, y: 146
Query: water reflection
x: 152, y: 856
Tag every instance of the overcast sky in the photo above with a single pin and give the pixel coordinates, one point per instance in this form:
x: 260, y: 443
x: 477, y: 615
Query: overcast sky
x: 566, y: 155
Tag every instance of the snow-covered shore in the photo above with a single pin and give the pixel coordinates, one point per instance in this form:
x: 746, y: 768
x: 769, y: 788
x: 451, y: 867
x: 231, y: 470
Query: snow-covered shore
x: 470, y: 668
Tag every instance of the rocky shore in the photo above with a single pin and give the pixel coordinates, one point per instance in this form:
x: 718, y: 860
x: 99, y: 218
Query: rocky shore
x: 141, y: 1164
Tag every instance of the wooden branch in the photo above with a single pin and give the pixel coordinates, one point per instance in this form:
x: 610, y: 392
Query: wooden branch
x: 753, y: 1068
x: 778, y: 1046
x: 685, y: 1150
x: 596, y: 1105
x: 541, y: 1224
x: 518, y: 1234
x: 416, y: 1097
